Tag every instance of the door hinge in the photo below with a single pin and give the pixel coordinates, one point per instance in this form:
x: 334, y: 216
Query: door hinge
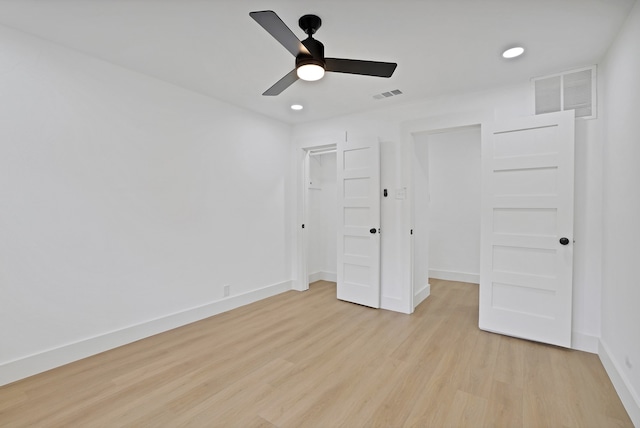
x: 303, y: 226
x: 412, y: 231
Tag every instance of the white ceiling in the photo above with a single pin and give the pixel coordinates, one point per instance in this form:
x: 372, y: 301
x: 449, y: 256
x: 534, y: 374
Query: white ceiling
x: 441, y: 46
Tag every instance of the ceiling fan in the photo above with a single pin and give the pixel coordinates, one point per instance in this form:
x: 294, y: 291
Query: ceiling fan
x: 311, y: 63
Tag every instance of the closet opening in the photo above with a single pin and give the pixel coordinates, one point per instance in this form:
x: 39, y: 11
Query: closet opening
x: 447, y: 206
x: 321, y: 212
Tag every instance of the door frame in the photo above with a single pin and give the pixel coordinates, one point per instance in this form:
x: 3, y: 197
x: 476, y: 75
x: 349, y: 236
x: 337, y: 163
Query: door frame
x: 303, y: 153
x: 421, y: 291
x: 411, y: 296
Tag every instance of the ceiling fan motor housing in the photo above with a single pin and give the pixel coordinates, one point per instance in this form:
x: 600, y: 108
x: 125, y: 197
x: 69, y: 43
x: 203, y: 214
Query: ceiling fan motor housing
x: 310, y: 23
x: 308, y: 60
x: 317, y: 53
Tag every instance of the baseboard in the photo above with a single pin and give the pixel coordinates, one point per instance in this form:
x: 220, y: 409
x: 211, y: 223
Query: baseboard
x: 584, y: 342
x: 629, y: 397
x: 323, y: 276
x: 395, y: 305
x: 448, y: 275
x: 421, y: 295
x: 28, y: 366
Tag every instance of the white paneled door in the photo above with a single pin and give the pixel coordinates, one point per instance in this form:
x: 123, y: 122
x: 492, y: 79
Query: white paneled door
x: 358, y: 169
x: 527, y: 228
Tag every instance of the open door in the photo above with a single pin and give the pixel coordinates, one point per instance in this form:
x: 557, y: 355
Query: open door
x: 358, y: 269
x: 526, y: 264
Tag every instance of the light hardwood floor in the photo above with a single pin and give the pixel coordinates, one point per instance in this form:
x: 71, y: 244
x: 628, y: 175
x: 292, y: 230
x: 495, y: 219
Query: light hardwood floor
x: 307, y: 359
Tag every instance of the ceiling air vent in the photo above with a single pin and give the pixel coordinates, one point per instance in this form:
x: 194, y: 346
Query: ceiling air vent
x: 571, y: 90
x: 387, y: 94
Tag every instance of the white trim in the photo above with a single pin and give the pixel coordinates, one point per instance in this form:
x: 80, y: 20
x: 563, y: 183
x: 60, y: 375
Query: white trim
x: 301, y: 254
x: 584, y: 342
x: 37, y: 363
x: 394, y: 304
x: 629, y: 397
x: 448, y: 275
x: 422, y: 294
x: 323, y: 276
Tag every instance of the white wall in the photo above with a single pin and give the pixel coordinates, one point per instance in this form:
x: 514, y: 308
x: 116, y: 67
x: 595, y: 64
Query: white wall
x: 126, y: 200
x: 454, y: 203
x: 322, y: 217
x: 620, y: 340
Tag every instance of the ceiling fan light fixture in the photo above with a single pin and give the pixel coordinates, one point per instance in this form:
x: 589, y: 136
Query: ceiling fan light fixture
x: 309, y: 69
x: 310, y: 72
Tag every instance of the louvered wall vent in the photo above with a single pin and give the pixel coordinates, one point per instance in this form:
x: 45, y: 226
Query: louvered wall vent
x: 387, y: 94
x: 571, y: 90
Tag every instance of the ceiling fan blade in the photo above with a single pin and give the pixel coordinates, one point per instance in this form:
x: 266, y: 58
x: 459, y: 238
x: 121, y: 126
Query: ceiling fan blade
x: 271, y: 22
x: 282, y: 84
x: 356, y: 66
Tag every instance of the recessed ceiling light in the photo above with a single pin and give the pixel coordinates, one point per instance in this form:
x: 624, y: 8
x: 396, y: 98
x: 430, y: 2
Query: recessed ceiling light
x: 513, y: 52
x: 296, y: 107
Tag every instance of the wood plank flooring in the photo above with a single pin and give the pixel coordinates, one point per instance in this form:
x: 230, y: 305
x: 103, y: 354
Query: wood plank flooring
x: 309, y: 360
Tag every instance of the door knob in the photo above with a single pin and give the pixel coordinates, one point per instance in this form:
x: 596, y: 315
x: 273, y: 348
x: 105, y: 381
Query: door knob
x: 564, y: 241
x: 372, y: 230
